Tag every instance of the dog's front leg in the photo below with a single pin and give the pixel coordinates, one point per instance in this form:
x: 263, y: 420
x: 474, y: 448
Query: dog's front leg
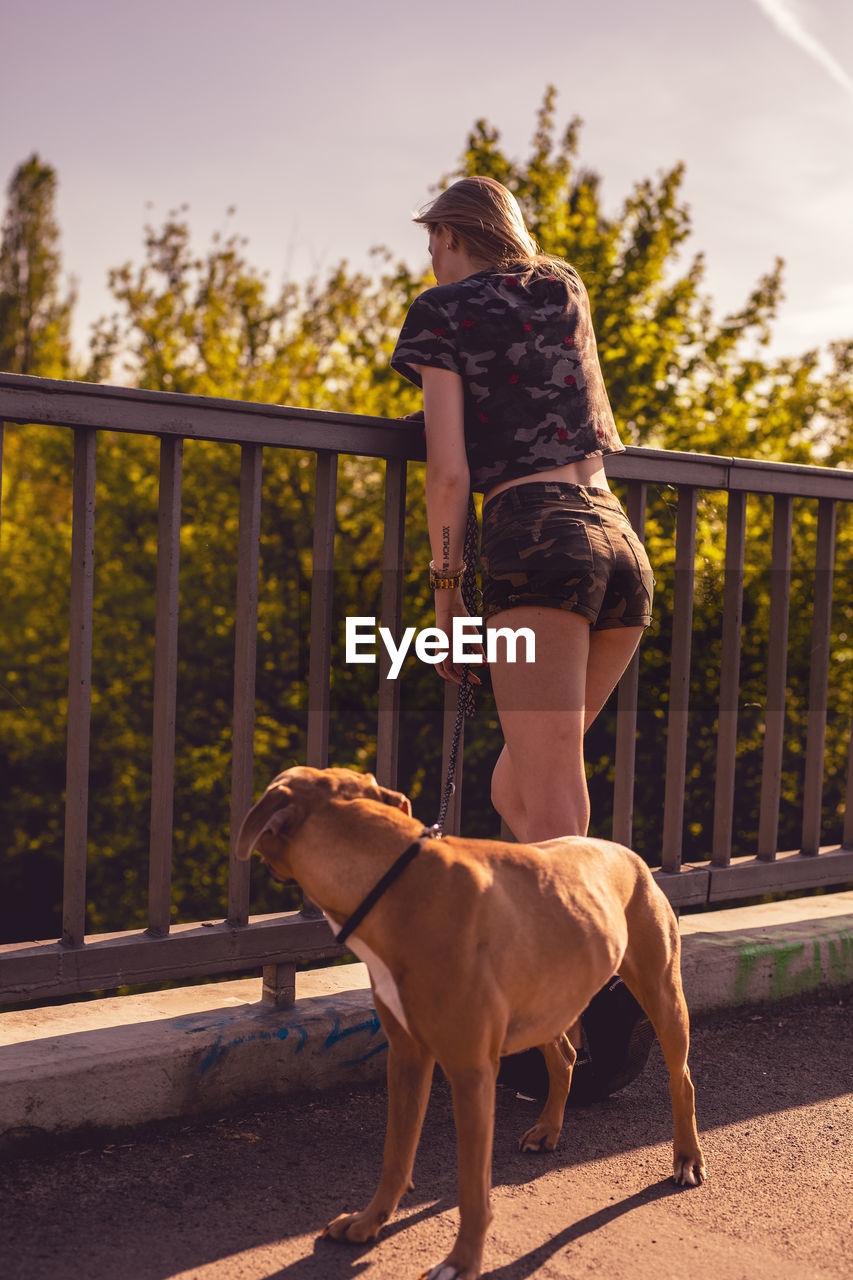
x: 409, y: 1076
x: 474, y: 1113
x: 560, y: 1057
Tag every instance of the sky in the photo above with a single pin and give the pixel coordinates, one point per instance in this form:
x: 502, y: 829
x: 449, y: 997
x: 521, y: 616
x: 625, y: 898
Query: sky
x: 325, y: 123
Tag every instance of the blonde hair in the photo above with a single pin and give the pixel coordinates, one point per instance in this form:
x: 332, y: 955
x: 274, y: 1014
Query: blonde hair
x: 489, y: 224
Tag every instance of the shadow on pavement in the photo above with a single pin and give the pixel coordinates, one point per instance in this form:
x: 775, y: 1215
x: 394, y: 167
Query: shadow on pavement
x: 197, y: 1198
x: 530, y: 1263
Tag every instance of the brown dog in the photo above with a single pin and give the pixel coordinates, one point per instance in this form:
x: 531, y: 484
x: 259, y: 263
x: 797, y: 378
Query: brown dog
x: 479, y: 948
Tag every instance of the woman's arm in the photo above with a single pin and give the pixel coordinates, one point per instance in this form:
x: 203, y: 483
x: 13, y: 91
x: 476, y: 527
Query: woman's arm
x: 448, y: 485
x: 448, y: 481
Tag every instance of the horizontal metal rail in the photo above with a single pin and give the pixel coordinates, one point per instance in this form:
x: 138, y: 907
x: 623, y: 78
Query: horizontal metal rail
x: 162, y: 413
x: 46, y: 970
x: 277, y: 944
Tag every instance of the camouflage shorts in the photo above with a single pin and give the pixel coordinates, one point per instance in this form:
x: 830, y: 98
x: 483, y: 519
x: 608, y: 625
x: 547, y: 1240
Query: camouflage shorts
x: 565, y: 547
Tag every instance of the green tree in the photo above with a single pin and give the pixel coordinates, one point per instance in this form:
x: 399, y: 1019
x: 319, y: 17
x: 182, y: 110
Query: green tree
x: 681, y: 378
x: 205, y: 324
x: 678, y: 378
x: 35, y: 319
x: 200, y: 324
x: 209, y: 323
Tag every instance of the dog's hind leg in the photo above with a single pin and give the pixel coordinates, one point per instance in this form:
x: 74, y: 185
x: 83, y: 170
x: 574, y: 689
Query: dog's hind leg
x: 652, y: 973
x: 560, y: 1057
x: 409, y: 1075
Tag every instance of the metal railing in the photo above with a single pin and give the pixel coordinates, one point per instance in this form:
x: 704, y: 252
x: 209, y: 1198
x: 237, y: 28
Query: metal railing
x: 77, y: 963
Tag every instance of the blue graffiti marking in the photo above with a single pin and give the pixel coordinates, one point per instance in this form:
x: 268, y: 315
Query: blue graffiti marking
x: 218, y: 1050
x: 371, y: 1053
x: 214, y: 1053
x: 284, y: 1032
x: 372, y: 1025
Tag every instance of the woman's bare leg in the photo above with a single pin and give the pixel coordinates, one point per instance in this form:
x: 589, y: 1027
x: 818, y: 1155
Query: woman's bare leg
x: 539, y: 782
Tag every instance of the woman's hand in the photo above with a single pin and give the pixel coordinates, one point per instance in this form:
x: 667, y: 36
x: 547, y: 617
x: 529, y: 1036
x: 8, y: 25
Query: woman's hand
x: 449, y: 605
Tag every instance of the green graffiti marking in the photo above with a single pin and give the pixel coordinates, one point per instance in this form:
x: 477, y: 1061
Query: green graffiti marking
x: 841, y: 957
x: 790, y: 972
x: 748, y: 955
x: 785, y: 983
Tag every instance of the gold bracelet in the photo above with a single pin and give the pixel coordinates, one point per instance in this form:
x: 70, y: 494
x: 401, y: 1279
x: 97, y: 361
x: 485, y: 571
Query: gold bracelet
x: 441, y: 581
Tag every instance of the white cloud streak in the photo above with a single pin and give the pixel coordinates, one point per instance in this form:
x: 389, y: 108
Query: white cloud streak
x: 787, y: 20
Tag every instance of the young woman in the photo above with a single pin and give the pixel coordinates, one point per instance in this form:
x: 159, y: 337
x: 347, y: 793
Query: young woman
x: 515, y: 406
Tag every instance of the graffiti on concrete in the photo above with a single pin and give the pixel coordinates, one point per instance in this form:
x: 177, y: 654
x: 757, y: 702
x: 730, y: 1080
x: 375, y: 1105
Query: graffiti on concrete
x: 369, y: 1028
x: 220, y: 1047
x: 775, y: 968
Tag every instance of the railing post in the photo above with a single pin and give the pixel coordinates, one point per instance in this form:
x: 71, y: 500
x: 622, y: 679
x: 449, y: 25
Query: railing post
x: 388, y: 723
x: 245, y: 660
x: 818, y: 677
x: 727, y: 722
x: 322, y: 585
x: 79, y: 688
x: 679, y: 685
x: 777, y: 678
x: 628, y: 696
x: 279, y: 985
x: 2, y: 434
x: 847, y: 833
x: 320, y: 657
x: 165, y: 686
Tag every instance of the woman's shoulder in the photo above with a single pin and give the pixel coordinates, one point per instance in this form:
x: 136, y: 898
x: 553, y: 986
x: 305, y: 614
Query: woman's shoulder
x: 443, y: 303
x: 557, y: 271
x: 552, y: 282
x: 437, y: 298
x: 442, y: 295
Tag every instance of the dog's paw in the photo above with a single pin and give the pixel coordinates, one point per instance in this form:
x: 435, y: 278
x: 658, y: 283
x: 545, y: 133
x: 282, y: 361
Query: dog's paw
x: 542, y: 1137
x: 448, y: 1271
x: 355, y: 1228
x: 689, y: 1171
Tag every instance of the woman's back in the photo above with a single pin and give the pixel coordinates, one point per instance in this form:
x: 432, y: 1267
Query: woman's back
x: 523, y: 343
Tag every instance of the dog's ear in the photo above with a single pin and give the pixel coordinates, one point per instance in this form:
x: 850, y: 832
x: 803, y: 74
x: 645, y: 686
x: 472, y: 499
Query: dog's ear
x: 395, y: 799
x: 367, y: 785
x: 277, y: 813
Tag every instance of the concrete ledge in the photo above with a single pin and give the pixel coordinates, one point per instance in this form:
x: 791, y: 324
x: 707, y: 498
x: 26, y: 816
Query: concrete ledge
x: 132, y: 1059
x: 759, y: 955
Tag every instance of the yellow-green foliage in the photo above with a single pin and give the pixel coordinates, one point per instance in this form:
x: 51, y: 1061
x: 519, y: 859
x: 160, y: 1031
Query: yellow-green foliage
x: 208, y: 323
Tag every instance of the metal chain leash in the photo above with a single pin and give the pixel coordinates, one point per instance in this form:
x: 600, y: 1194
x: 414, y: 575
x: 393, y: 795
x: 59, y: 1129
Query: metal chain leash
x: 465, y: 705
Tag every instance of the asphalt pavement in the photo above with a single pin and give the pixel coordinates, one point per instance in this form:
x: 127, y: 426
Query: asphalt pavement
x: 241, y: 1194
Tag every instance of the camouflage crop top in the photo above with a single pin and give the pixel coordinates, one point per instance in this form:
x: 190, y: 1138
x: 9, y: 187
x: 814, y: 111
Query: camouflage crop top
x: 534, y: 394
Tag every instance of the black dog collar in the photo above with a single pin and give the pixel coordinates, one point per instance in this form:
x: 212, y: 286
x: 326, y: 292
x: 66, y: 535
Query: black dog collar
x: 396, y: 869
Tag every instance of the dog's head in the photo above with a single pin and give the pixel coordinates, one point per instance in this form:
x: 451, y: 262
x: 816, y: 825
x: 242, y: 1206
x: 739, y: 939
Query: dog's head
x: 287, y: 802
